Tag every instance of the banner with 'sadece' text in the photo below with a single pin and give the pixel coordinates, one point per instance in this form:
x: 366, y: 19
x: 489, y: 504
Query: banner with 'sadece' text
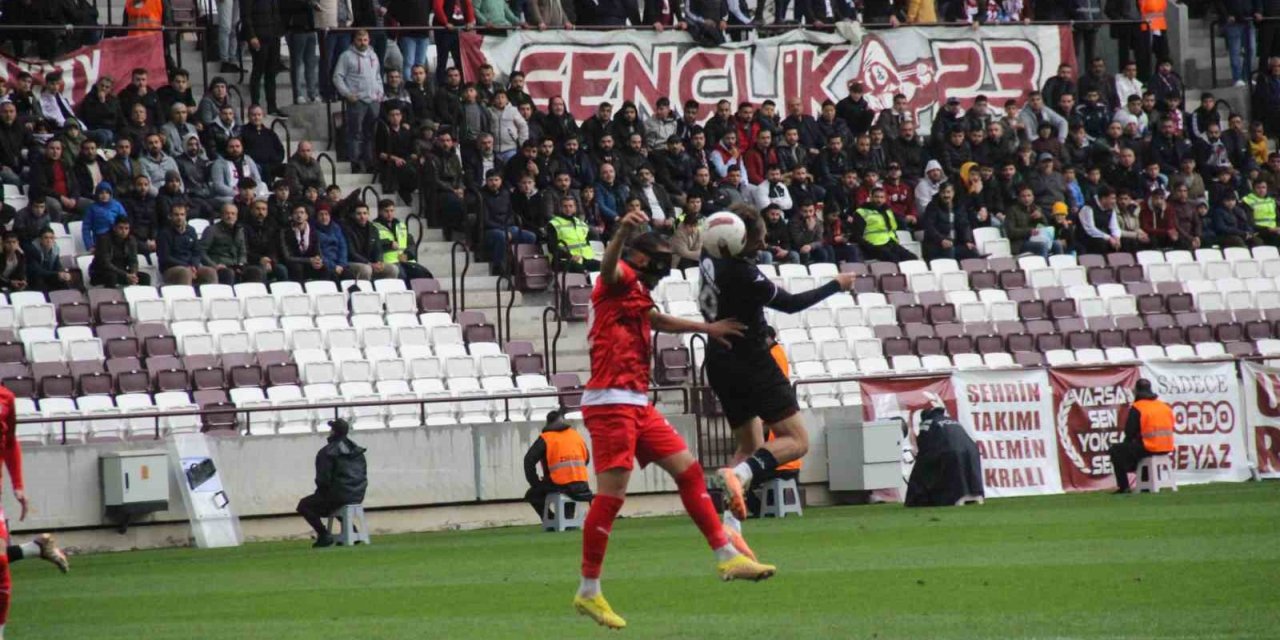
x: 112, y: 57
x: 1209, y: 426
x: 928, y: 65
x: 1009, y: 415
x: 1262, y: 402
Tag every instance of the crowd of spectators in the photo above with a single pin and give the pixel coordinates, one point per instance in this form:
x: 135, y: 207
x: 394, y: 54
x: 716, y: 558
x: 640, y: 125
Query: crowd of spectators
x: 1100, y: 160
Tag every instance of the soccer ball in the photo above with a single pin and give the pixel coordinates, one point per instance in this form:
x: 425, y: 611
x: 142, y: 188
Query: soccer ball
x: 725, y: 235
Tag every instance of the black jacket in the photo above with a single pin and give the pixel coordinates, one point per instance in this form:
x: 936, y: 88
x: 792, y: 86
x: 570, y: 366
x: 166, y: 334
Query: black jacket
x: 260, y: 19
x: 947, y: 466
x: 363, y: 244
x: 341, y: 472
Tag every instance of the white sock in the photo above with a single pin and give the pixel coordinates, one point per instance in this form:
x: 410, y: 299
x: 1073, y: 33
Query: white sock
x: 732, y: 522
x: 30, y: 549
x: 743, y: 471
x: 726, y: 552
x: 589, y: 587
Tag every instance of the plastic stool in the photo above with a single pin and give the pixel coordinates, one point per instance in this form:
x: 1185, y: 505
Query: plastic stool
x: 779, y: 498
x: 354, y: 529
x: 561, y: 513
x: 1155, y: 473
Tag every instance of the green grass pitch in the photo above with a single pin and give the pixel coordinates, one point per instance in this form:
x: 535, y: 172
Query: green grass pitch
x: 1202, y: 563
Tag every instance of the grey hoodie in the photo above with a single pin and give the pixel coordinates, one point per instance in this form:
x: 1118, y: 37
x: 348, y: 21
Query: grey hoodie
x: 359, y: 74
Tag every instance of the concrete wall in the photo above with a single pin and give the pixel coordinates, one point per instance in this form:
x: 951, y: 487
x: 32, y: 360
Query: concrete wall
x: 267, y: 475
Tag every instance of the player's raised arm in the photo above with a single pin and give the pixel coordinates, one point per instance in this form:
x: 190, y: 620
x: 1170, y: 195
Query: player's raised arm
x: 630, y: 224
x: 787, y: 302
x: 720, y: 331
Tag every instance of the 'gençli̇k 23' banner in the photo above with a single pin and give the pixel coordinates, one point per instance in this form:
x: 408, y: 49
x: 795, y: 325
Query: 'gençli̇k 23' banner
x: 928, y: 65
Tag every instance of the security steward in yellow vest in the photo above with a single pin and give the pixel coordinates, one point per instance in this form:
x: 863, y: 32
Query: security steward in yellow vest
x: 394, y: 235
x: 570, y: 239
x: 1263, y: 207
x: 1147, y: 431
x: 876, y: 229
x: 563, y: 455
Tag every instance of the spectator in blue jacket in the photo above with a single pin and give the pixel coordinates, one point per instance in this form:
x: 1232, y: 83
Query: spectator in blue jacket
x: 500, y: 225
x: 611, y: 193
x: 100, y: 216
x: 180, y: 252
x: 333, y: 245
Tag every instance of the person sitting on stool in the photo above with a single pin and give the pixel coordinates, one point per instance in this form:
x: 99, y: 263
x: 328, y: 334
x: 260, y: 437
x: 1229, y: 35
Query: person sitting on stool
x: 564, y: 457
x: 1147, y: 431
x: 341, y: 479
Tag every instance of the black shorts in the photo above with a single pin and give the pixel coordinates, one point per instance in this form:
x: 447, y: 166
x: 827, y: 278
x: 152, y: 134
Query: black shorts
x: 750, y: 386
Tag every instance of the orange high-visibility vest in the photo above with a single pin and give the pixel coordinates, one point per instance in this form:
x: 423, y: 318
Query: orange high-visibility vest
x: 144, y: 13
x: 1153, y: 15
x: 566, y: 456
x: 780, y: 356
x: 794, y: 465
x: 1157, y: 425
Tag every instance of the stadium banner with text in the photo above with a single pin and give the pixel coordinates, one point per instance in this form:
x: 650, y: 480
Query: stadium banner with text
x: 1089, y: 407
x: 1210, y: 428
x: 1262, y: 399
x: 112, y: 57
x: 1009, y: 415
x: 928, y: 65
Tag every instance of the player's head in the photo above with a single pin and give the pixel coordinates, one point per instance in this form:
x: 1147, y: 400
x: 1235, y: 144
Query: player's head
x: 650, y: 255
x: 755, y: 229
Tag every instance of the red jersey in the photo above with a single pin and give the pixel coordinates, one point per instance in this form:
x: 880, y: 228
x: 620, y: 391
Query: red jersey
x: 10, y: 450
x: 620, y: 346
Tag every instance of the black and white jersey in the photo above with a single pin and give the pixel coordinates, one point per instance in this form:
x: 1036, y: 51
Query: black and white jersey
x: 733, y: 288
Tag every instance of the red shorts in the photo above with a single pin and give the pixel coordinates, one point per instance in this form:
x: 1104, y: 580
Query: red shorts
x: 621, y: 433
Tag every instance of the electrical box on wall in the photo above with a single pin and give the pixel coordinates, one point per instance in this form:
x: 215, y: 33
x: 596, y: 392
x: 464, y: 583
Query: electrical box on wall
x: 134, y: 483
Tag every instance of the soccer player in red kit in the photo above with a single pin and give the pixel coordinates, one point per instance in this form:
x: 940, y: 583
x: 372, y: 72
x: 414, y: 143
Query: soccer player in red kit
x: 625, y: 427
x: 11, y: 452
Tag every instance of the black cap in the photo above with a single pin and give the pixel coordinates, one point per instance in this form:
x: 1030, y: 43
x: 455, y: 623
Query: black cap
x: 340, y: 427
x: 1142, y: 390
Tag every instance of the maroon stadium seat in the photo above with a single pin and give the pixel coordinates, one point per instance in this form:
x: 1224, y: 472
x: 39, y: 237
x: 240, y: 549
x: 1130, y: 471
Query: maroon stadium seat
x: 267, y: 359
x: 1152, y: 303
x: 21, y: 386
x: 570, y: 387
x: 1091, y: 260
x: 927, y: 346
x: 1199, y: 333
x: 133, y: 381
x: 1101, y: 275
x: 856, y: 268
x: 979, y: 280
x: 882, y: 268
x: 1031, y: 310
x: 1081, y: 340
x: 11, y: 351
x: 1022, y: 295
x: 56, y: 386
x: 1121, y: 259
x: 1062, y: 308
x: 973, y: 265
x: 865, y: 284
x: 1010, y: 327
x: 900, y: 298
x: 1229, y: 332
x: 207, y: 378
x: 892, y: 281
x: 172, y: 380
x: 990, y: 344
x: 910, y: 314
x: 897, y: 347
x: 95, y: 384
x: 914, y: 330
x: 433, y: 301
x: 1139, y: 337
x: 245, y: 376
x: 1258, y: 330
x: 1179, y: 302
x: 1028, y: 358
x: 1002, y: 264
x: 949, y: 329
x: 1166, y: 336
x: 1049, y: 342
x: 941, y: 313
x: 1067, y: 325
x: 1241, y: 349
x: 575, y: 299
x: 116, y: 365
x: 1040, y: 327
x: 1012, y: 279
x: 282, y: 373
x: 958, y: 344
x: 1124, y: 323
x: 74, y: 314
x: 887, y: 331
x: 1110, y: 338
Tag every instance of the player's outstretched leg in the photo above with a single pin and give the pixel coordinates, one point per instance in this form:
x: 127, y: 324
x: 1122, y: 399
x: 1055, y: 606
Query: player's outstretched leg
x: 733, y: 564
x: 42, y: 546
x: 790, y: 442
x: 750, y: 438
x: 589, y: 601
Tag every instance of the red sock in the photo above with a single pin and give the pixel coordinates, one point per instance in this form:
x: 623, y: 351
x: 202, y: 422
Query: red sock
x: 5, y: 587
x: 693, y: 493
x: 595, y: 533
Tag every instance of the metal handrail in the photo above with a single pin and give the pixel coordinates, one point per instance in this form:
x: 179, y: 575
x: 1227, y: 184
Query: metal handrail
x: 248, y: 411
x: 549, y: 344
x: 497, y: 296
x: 459, y: 292
x: 288, y: 138
x: 333, y: 166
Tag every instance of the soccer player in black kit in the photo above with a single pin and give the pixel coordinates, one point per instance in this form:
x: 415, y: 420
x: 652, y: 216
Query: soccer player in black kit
x: 745, y: 377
